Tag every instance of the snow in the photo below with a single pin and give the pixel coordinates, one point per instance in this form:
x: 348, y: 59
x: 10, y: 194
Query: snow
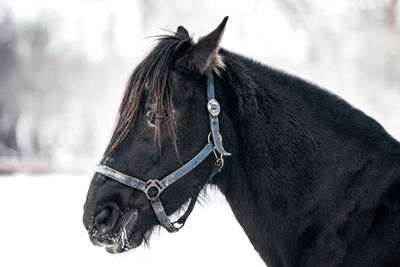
x: 41, y: 225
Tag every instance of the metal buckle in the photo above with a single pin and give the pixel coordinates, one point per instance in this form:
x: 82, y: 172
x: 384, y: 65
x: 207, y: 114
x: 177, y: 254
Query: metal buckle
x: 213, y: 107
x: 219, y: 160
x: 153, y: 189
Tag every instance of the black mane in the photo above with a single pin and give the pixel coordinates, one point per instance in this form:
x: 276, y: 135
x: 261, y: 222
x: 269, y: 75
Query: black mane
x: 151, y: 79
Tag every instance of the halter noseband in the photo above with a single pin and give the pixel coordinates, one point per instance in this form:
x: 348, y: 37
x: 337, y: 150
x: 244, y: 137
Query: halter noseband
x: 154, y: 187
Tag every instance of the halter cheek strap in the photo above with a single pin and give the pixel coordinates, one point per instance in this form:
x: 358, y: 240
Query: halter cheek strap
x: 152, y: 188
x: 213, y: 111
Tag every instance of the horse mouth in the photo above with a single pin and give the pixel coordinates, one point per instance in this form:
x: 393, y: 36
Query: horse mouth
x: 126, y: 238
x: 124, y: 243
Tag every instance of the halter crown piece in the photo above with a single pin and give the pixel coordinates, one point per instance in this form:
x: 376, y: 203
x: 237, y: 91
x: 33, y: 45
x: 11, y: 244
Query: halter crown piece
x: 152, y: 188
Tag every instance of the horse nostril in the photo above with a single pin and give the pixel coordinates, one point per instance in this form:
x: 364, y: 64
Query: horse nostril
x: 105, y: 220
x: 102, y: 219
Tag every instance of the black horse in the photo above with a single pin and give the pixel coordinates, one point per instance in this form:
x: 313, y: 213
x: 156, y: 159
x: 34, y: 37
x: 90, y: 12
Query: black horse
x: 312, y: 180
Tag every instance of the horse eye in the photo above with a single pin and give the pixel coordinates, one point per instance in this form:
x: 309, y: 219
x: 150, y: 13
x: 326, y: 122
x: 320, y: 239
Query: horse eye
x: 151, y: 117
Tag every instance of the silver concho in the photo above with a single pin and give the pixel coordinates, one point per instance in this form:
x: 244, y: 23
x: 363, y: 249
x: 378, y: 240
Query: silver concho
x: 213, y: 107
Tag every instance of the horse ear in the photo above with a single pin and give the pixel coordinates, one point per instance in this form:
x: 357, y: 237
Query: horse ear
x: 203, y: 56
x: 182, y: 33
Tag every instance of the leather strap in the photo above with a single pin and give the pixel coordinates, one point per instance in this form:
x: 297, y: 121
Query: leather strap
x: 161, y: 215
x: 181, y: 221
x: 179, y: 173
x: 214, y: 122
x: 120, y: 177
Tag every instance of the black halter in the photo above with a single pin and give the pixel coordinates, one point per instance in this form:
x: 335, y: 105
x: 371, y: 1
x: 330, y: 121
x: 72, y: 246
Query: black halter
x: 152, y: 188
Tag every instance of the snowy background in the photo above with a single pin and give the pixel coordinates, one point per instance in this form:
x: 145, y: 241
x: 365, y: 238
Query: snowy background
x: 41, y: 225
x: 63, y: 67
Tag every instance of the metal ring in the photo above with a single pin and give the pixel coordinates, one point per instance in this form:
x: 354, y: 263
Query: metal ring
x: 217, y: 158
x: 180, y: 225
x: 153, y: 184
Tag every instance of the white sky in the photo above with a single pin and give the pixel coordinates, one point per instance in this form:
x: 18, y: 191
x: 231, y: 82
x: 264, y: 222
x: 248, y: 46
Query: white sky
x: 83, y: 24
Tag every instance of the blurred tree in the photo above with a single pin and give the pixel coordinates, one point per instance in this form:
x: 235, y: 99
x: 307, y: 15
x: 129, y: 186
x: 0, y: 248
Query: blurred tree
x: 47, y: 92
x: 9, y: 108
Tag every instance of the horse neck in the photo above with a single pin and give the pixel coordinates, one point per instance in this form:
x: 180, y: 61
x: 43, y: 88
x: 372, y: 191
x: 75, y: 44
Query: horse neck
x: 256, y: 180
x: 268, y: 144
x: 294, y: 147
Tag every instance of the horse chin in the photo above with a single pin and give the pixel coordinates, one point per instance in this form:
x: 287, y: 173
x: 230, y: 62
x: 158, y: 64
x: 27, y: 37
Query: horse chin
x: 124, y: 244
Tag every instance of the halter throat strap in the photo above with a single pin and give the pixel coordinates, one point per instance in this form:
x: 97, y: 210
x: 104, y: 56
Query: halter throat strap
x: 152, y: 188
